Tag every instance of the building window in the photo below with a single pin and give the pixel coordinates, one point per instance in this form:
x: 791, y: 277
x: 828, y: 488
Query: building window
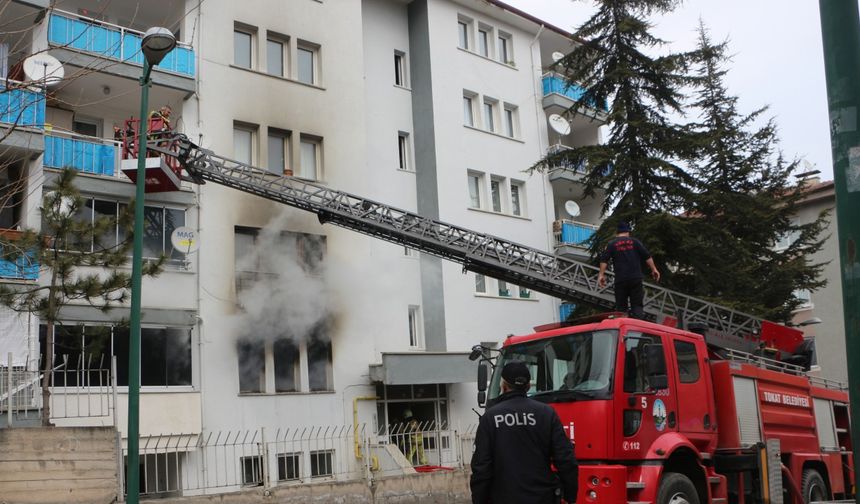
x: 252, y: 470
x: 310, y: 158
x: 86, y: 352
x: 308, y: 71
x: 286, y: 357
x: 463, y: 30
x: 159, y: 474
x: 243, y: 47
x: 278, y: 150
x: 496, y: 194
x: 516, y: 198
x: 489, y: 115
x: 415, y: 339
x: 320, y: 362
x: 87, y: 126
x: 243, y: 143
x: 483, y: 42
x: 480, y: 284
x: 504, y: 291
x: 275, y: 57
x: 400, y: 69
x: 468, y: 111
x: 410, y: 252
x: 289, y: 466
x: 321, y: 463
x: 403, y: 150
x: 252, y: 366
x: 805, y: 297
x: 475, y: 183
x: 525, y: 293
x: 504, y: 49
x: 510, y: 121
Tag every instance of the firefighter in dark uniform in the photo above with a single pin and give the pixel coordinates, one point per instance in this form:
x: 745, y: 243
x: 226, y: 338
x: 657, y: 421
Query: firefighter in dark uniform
x: 627, y: 254
x: 517, y: 440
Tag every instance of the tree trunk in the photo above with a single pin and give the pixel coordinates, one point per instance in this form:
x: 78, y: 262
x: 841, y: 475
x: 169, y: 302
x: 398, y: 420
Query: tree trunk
x: 46, y: 377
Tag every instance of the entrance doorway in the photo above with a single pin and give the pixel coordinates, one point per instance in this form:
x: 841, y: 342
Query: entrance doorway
x: 413, y: 415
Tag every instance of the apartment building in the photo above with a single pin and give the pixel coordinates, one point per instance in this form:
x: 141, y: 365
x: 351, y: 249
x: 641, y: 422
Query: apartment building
x: 433, y: 106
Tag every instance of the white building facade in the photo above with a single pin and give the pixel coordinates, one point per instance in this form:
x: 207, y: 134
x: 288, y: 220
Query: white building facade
x: 435, y: 106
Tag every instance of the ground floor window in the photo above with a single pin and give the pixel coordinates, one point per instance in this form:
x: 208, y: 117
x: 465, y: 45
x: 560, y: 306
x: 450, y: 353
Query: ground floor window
x: 289, y: 466
x: 321, y: 463
x: 160, y: 473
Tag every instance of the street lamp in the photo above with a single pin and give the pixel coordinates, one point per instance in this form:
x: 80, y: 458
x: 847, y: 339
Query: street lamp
x: 155, y: 45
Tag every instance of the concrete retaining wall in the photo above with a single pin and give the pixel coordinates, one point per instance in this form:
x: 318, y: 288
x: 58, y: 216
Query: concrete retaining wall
x: 449, y: 487
x: 58, y: 465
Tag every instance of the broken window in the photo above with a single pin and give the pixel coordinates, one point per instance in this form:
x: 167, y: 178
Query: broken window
x: 252, y: 367
x: 286, y: 354
x: 319, y: 361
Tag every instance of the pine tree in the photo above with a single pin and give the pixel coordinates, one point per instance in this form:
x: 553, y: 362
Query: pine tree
x: 742, y: 204
x: 611, y: 61
x: 63, y: 249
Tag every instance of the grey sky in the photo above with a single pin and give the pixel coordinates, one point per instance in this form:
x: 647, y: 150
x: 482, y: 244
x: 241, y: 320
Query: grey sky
x: 777, y: 59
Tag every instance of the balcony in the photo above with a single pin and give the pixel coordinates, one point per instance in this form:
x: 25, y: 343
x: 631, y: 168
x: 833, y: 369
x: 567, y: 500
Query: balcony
x: 21, y: 106
x: 87, y: 35
x: 564, y: 311
x: 86, y: 154
x: 22, y: 267
x: 572, y: 237
x: 560, y: 95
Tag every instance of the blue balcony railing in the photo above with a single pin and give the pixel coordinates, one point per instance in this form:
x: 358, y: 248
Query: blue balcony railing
x: 89, y: 156
x: 18, y: 266
x: 112, y: 41
x: 21, y: 106
x: 564, y: 311
x: 574, y: 233
x: 556, y: 84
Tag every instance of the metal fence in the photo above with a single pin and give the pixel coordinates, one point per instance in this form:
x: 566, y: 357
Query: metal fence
x: 227, y: 461
x: 76, y: 390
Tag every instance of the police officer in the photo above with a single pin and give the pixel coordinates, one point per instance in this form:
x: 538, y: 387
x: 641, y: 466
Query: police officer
x: 517, y: 440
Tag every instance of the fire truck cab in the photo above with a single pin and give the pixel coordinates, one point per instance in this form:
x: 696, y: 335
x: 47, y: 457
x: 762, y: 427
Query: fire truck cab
x: 657, y: 417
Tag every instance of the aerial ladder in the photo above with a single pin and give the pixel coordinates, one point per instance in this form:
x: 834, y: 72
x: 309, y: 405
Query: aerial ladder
x: 724, y: 329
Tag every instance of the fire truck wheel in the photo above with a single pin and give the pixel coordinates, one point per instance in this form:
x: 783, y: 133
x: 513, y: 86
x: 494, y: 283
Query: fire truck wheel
x: 813, y: 487
x: 675, y: 488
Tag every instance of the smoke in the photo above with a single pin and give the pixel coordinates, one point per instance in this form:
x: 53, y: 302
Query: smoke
x: 281, y: 284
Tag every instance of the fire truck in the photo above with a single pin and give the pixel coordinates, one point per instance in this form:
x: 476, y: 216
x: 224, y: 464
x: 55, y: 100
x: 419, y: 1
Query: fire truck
x: 697, y: 404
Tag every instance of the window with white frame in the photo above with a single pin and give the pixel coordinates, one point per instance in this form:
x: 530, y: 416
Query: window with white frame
x: 805, y: 298
x: 320, y: 363
x: 310, y: 154
x: 289, y: 466
x: 252, y: 470
x: 510, y: 120
x: 787, y: 239
x: 322, y: 463
x: 503, y: 49
x: 476, y: 181
x: 275, y: 54
x: 278, y: 149
x: 468, y: 109
x: 400, y: 69
x: 415, y: 339
x: 480, y: 283
x: 243, y: 143
x: 307, y: 56
x: 484, y: 41
x: 489, y: 114
x: 463, y: 28
x: 517, y: 198
x: 243, y: 45
x: 410, y: 252
x: 504, y: 290
x: 403, y: 151
x: 496, y: 193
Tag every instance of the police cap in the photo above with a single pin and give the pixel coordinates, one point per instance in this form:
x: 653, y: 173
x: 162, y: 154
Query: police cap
x: 516, y: 373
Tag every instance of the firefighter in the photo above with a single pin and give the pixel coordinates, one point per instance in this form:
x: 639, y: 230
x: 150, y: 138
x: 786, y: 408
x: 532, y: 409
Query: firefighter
x: 517, y: 440
x: 627, y: 254
x: 415, y: 438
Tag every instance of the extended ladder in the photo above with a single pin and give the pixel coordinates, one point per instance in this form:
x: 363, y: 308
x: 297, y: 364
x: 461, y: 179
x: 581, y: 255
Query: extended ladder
x: 482, y: 253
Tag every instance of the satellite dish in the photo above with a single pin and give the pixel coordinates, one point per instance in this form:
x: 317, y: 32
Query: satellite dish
x: 572, y: 208
x: 559, y: 124
x: 557, y: 55
x: 185, y: 240
x: 44, y: 68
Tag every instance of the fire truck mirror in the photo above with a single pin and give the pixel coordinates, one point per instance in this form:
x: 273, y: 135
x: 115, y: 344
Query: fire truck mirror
x: 482, y: 378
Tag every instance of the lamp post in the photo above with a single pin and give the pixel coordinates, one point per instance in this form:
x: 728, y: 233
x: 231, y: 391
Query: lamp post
x: 155, y: 45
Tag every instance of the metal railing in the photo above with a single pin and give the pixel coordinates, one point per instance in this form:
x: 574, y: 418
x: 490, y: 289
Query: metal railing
x: 77, y: 390
x: 81, y: 33
x: 569, y: 232
x: 21, y: 105
x: 228, y: 461
x: 554, y: 83
x: 83, y: 153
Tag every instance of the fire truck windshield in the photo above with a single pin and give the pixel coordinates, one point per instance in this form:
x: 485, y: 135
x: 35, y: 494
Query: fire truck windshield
x: 564, y: 368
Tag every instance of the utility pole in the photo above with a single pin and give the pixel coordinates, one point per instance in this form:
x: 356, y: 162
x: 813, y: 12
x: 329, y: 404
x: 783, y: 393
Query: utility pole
x: 840, y: 31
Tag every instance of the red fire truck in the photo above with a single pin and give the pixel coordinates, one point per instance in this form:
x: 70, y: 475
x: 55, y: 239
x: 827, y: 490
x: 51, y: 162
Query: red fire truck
x: 657, y: 416
x: 721, y: 411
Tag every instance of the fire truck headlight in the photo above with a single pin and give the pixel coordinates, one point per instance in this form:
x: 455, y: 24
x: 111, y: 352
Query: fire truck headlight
x: 607, y: 482
x: 592, y: 495
x: 594, y: 481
